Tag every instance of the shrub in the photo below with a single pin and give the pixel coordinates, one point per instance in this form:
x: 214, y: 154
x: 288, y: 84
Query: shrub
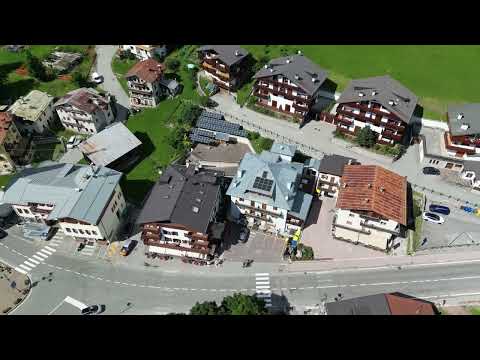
x: 35, y: 67
x: 172, y: 64
x: 253, y: 135
x: 366, y: 137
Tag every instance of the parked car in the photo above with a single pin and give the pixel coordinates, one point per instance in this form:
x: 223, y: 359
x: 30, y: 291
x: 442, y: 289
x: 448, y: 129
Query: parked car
x: 128, y: 247
x: 244, y: 235
x: 73, y: 141
x: 441, y: 209
x: 93, y: 309
x: 433, y: 218
x: 428, y: 170
x: 97, y: 78
x: 3, y: 233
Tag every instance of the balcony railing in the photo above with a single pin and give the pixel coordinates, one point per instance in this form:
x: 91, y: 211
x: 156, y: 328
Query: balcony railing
x: 278, y: 84
x: 271, y: 213
x: 278, y: 92
x: 458, y: 149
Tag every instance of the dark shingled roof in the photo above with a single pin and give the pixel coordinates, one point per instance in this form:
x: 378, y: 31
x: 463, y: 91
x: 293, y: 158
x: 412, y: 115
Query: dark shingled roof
x: 470, y: 119
x: 334, y: 164
x: 296, y: 65
x: 382, y: 90
x: 226, y: 53
x: 178, y: 191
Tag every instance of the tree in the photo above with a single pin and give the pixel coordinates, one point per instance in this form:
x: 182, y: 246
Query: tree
x: 366, y: 137
x: 35, y: 67
x: 205, y: 308
x: 261, y: 62
x: 172, y: 64
x: 240, y: 304
x: 189, y: 114
x: 80, y: 79
x: 3, y: 77
x: 176, y: 140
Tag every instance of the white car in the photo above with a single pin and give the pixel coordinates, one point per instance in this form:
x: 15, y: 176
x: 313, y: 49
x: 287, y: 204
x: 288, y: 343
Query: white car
x: 97, y: 78
x: 433, y: 218
x: 73, y: 142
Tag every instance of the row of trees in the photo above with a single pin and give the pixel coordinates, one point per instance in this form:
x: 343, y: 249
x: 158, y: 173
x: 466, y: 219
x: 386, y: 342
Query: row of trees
x: 236, y: 304
x: 38, y: 70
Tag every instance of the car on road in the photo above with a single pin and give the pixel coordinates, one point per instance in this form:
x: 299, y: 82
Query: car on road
x: 428, y: 170
x: 128, y: 247
x: 90, y: 310
x: 73, y: 141
x: 3, y: 233
x: 433, y: 218
x: 97, y: 78
x: 440, y: 209
x: 244, y: 235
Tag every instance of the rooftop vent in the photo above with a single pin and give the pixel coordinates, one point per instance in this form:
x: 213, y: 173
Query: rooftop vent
x: 289, y: 61
x: 369, y: 186
x: 266, y: 66
x: 361, y: 94
x: 382, y: 189
x: 391, y: 102
x: 198, y: 200
x: 313, y: 79
x: 464, y: 126
x: 344, y: 185
x: 366, y: 200
x: 271, y: 70
x: 460, y: 116
x: 237, y: 53
x: 299, y: 52
x: 195, y: 209
x: 297, y: 77
x: 374, y: 92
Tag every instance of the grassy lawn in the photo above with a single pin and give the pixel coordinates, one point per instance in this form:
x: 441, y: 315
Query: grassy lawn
x: 418, y: 204
x: 152, y: 127
x: 259, y: 143
x: 120, y: 68
x: 17, y: 85
x: 5, y: 179
x: 437, y: 74
x: 475, y: 310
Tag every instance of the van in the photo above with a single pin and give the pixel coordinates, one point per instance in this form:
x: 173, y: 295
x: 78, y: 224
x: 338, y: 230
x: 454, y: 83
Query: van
x: 127, y: 247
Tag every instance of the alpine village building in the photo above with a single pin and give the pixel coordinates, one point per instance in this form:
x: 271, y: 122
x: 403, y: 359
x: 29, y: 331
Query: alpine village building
x: 144, y: 83
x: 85, y: 111
x: 13, y: 146
x: 86, y: 202
x: 381, y: 103
x: 289, y: 85
x: 371, y: 206
x: 34, y: 112
x: 266, y: 192
x: 144, y: 52
x: 226, y: 65
x: 463, y: 136
x: 179, y: 216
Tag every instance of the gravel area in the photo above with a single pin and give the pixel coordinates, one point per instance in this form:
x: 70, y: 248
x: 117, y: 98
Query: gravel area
x: 10, y: 295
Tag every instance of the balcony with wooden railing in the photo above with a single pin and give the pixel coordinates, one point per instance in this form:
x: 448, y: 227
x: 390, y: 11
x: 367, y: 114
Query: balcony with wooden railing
x: 460, y: 151
x: 282, y: 85
x: 280, y: 92
x: 222, y: 73
x: 248, y: 207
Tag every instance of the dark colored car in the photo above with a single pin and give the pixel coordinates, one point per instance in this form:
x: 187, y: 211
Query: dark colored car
x: 90, y: 310
x: 428, y: 170
x: 439, y: 209
x: 244, y: 235
x: 3, y: 233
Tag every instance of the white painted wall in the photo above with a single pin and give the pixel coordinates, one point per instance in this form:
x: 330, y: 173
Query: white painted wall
x: 279, y: 223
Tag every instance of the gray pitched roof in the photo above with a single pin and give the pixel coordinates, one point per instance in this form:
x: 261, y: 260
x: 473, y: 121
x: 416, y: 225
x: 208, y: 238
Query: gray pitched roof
x: 109, y: 144
x: 469, y: 165
x: 334, y: 164
x: 75, y: 190
x: 177, y: 192
x: 226, y: 53
x: 285, y: 177
x: 469, y: 124
x: 366, y: 305
x: 293, y: 66
x: 283, y: 149
x: 383, y: 90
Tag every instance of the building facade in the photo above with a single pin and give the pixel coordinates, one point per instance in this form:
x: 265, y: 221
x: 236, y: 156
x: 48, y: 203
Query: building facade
x: 13, y: 146
x: 289, y: 85
x: 144, y: 83
x: 85, y: 111
x: 463, y: 138
x: 226, y: 65
x: 330, y: 172
x: 266, y: 192
x: 144, y: 52
x: 371, y: 206
x: 87, y: 203
x: 381, y: 103
x: 179, y: 217
x: 35, y: 112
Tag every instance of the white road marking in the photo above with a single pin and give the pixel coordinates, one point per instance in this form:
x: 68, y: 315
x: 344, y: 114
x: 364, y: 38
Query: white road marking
x: 42, y: 255
x: 263, y: 287
x: 46, y: 252
x: 262, y: 274
x: 75, y: 303
x: 25, y: 267
x: 29, y: 264
x: 49, y: 248
x: 34, y: 261
x: 261, y: 278
x: 58, y: 267
x: 20, y: 270
x: 262, y: 283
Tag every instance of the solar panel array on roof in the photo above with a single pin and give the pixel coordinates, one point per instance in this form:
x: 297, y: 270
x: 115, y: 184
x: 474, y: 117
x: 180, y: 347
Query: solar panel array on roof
x: 215, y: 122
x: 202, y: 136
x: 202, y: 132
x: 263, y: 184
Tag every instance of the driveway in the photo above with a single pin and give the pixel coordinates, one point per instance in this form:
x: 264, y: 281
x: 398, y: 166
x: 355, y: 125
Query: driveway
x: 318, y: 234
x: 103, y: 66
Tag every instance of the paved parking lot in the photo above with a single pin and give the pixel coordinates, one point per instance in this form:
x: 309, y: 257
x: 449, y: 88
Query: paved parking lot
x: 260, y: 247
x: 318, y: 235
x: 459, y: 228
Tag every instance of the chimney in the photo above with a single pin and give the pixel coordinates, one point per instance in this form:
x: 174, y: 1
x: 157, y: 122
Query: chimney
x: 374, y: 93
x: 299, y: 52
x: 369, y: 186
x: 289, y: 61
x: 460, y: 116
x: 266, y: 66
x: 237, y: 53
x: 297, y: 77
x: 361, y: 94
x: 382, y: 189
x: 391, y: 102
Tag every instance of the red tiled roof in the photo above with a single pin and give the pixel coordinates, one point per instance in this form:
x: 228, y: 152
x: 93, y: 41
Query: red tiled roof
x: 85, y: 100
x: 374, y: 188
x: 148, y: 70
x: 5, y: 121
x: 404, y: 306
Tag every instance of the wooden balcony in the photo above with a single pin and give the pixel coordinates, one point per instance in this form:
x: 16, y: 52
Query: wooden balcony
x: 343, y: 120
x: 265, y: 211
x: 222, y: 73
x: 281, y: 92
x: 460, y: 151
x: 281, y: 85
x: 375, y: 108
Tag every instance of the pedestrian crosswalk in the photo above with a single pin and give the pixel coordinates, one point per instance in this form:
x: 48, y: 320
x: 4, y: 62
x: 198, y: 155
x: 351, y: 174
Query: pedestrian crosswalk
x: 55, y: 240
x: 262, y: 288
x: 36, y: 259
x: 88, y: 250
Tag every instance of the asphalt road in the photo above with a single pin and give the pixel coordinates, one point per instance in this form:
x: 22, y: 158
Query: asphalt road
x: 155, y: 291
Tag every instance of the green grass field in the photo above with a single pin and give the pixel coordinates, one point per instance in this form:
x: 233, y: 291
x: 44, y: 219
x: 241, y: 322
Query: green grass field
x: 438, y: 74
x: 153, y: 128
x: 17, y: 85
